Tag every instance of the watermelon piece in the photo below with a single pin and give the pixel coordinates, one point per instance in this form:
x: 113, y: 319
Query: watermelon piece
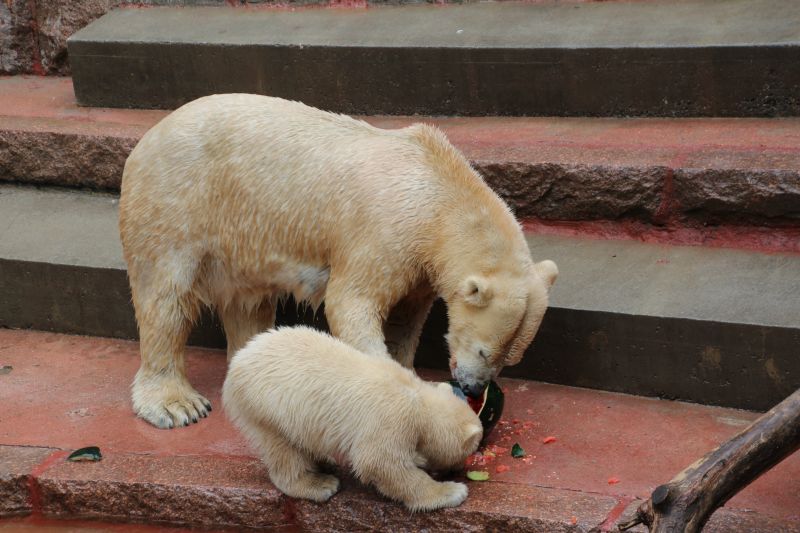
x: 475, y: 403
x: 478, y: 475
x: 489, y: 407
x: 90, y: 453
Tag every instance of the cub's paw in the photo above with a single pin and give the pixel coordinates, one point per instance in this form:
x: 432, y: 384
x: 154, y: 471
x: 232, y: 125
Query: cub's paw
x: 447, y: 494
x: 324, y: 487
x: 167, y: 402
x: 313, y: 486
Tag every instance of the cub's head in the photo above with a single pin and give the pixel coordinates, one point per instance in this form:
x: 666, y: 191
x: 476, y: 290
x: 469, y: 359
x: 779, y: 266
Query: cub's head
x: 450, y: 431
x: 493, y: 319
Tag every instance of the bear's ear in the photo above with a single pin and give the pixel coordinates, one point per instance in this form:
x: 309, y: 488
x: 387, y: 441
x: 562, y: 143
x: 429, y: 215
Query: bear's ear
x: 476, y: 291
x: 547, y: 271
x: 444, y: 386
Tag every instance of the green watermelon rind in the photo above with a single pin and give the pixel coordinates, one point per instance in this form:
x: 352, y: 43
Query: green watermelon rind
x: 492, y: 408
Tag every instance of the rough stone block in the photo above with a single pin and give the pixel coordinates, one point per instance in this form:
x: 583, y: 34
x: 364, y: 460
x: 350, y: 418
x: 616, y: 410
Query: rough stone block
x: 17, y: 40
x: 198, y: 491
x: 16, y: 464
x: 576, y: 192
x: 726, y: 193
x: 489, y: 507
x: 64, y: 159
x: 57, y: 20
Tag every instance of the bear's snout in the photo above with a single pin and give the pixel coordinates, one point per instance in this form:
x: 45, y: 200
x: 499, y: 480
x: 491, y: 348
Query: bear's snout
x: 474, y: 390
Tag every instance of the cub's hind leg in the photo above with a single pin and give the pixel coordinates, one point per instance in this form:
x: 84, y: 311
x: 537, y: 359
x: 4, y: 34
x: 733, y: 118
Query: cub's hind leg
x: 397, y: 476
x: 165, y: 310
x: 291, y: 470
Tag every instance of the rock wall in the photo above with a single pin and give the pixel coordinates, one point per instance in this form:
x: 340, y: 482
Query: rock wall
x: 33, y: 33
x: 17, y: 41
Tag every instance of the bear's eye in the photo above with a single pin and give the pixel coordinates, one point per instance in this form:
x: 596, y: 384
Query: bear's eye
x: 483, y: 353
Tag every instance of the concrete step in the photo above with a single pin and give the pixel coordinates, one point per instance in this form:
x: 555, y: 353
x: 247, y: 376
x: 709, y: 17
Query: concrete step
x: 655, y: 58
x: 205, y: 475
x: 710, y: 325
x: 682, y: 176
x: 34, y: 34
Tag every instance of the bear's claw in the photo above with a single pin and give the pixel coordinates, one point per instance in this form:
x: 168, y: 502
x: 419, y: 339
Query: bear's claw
x: 167, y: 402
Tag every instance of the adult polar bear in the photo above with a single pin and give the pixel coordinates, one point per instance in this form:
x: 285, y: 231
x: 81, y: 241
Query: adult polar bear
x: 234, y: 201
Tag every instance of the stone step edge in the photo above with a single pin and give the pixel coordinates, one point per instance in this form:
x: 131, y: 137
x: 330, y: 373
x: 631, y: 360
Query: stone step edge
x: 575, y: 347
x: 39, y: 151
x: 234, y: 492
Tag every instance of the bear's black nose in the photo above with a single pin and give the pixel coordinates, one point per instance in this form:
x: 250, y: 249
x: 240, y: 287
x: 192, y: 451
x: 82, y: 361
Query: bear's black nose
x: 474, y: 390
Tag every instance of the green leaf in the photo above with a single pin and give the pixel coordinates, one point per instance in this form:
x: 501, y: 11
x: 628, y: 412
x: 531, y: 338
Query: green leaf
x: 91, y: 453
x: 517, y: 451
x: 477, y: 475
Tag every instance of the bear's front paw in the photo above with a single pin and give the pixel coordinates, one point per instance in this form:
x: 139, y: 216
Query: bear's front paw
x: 167, y: 402
x: 447, y: 494
x: 325, y: 486
x: 313, y: 486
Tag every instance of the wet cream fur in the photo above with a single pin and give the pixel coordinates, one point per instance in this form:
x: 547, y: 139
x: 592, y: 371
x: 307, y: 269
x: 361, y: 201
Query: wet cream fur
x: 235, y: 201
x: 301, y: 396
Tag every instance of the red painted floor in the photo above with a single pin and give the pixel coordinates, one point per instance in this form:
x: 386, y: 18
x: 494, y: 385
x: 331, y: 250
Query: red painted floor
x: 69, y: 392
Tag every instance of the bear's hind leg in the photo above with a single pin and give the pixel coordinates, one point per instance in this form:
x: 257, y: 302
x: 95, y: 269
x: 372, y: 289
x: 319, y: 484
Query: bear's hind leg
x: 291, y: 470
x: 242, y: 324
x: 161, y: 393
x: 400, y: 479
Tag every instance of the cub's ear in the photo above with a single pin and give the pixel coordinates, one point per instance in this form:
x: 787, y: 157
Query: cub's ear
x: 548, y: 271
x: 444, y: 386
x: 472, y: 432
x: 476, y: 291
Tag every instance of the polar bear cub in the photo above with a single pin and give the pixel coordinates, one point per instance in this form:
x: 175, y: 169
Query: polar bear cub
x: 301, y: 397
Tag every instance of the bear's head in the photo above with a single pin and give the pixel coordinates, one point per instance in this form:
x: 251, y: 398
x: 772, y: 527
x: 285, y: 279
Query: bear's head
x: 450, y: 431
x: 493, y: 318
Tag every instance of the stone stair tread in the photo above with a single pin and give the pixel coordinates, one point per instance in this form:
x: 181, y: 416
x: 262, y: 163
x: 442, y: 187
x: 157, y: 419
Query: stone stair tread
x: 674, y: 281
x: 60, y: 226
x: 163, y: 476
x: 508, y: 58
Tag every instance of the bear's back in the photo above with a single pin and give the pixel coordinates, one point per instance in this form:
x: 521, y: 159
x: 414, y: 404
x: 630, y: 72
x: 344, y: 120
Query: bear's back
x: 316, y: 389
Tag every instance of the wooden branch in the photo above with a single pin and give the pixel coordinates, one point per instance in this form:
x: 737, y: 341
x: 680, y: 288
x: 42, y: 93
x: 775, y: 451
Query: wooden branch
x: 686, y: 503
